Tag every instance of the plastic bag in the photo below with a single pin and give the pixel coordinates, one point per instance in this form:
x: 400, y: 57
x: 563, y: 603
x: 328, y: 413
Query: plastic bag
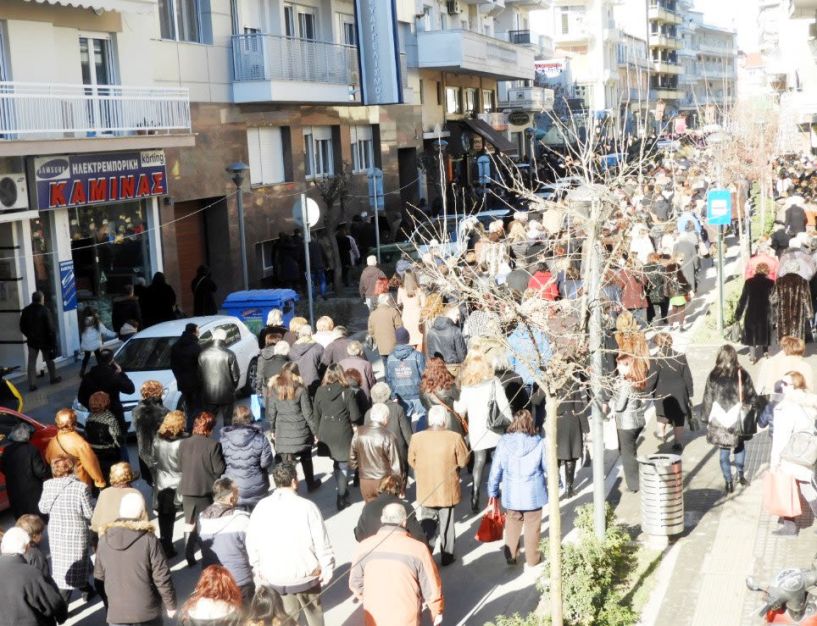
x: 492, y: 526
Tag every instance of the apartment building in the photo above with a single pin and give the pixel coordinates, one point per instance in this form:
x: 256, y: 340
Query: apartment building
x: 665, y: 41
x: 86, y: 137
x: 788, y: 29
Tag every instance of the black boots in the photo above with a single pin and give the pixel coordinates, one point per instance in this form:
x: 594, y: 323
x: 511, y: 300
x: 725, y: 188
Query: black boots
x: 570, y: 476
x: 742, y: 480
x: 475, y: 502
x: 730, y: 486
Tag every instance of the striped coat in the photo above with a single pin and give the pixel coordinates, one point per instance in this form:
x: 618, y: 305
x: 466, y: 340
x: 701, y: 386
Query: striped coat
x: 67, y: 502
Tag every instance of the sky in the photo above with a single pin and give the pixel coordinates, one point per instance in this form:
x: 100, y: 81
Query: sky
x: 740, y: 15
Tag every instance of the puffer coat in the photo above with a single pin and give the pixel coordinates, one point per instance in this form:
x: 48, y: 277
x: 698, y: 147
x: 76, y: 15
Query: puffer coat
x: 518, y: 470
x: 336, y: 410
x: 292, y: 421
x: 248, y: 455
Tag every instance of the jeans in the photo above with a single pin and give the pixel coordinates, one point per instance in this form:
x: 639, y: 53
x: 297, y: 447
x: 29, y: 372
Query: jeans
x: 340, y: 469
x: 414, y: 409
x: 627, y: 444
x: 32, y: 364
x: 740, y: 459
x: 531, y: 523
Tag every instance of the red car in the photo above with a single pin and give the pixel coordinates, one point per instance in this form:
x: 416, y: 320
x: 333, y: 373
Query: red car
x: 40, y: 437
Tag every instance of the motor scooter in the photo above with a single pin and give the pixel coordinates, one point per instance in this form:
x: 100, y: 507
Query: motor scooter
x: 788, y: 598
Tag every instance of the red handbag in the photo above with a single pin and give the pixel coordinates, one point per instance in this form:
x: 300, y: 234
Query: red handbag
x: 781, y: 495
x: 492, y: 525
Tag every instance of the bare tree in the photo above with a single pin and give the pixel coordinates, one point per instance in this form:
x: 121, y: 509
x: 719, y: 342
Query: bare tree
x: 334, y: 189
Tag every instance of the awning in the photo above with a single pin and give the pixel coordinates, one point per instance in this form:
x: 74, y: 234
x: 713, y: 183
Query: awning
x: 119, y: 6
x: 494, y: 137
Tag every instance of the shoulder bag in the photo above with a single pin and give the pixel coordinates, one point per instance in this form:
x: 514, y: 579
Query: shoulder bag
x: 496, y: 421
x: 748, y: 415
x: 450, y: 409
x: 801, y: 449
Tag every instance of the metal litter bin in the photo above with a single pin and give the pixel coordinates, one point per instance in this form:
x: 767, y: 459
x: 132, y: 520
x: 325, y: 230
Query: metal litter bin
x: 661, y: 484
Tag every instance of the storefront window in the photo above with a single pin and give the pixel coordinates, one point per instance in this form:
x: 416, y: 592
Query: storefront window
x: 44, y: 261
x: 109, y: 246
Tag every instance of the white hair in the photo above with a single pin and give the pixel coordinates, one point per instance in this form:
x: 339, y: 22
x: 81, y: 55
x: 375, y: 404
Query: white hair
x: 219, y: 334
x: 324, y: 323
x: 371, y: 260
x: 379, y: 414
x: 355, y: 348
x: 394, y: 513
x: 380, y: 392
x: 15, y: 541
x: 304, y: 331
x: 132, y: 506
x: 281, y: 349
x: 275, y: 317
x: 384, y: 298
x: 437, y: 416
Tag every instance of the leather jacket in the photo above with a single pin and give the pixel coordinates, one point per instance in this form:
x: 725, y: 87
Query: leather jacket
x: 445, y: 339
x: 219, y: 373
x: 374, y: 453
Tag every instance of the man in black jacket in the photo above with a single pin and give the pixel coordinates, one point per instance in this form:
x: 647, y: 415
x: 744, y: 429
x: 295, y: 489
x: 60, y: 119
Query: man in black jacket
x: 41, y: 336
x: 219, y: 375
x: 444, y: 338
x: 132, y: 565
x: 107, y: 376
x: 795, y: 216
x: 184, y: 363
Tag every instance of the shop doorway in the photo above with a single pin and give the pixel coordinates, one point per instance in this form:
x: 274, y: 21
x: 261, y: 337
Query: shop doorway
x: 191, y: 247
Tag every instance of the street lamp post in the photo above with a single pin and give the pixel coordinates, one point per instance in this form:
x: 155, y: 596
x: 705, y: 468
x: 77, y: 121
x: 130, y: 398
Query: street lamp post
x: 237, y: 172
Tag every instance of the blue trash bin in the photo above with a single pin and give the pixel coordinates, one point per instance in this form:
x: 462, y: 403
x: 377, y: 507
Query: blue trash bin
x: 252, y: 306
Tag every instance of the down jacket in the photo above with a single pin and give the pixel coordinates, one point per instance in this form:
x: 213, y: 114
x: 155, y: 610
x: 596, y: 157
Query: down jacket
x: 518, y: 471
x: 248, y: 455
x: 292, y: 421
x: 131, y: 563
x: 223, y: 532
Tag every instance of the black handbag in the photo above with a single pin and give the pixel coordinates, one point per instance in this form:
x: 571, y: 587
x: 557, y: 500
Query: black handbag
x: 496, y: 419
x: 747, y: 425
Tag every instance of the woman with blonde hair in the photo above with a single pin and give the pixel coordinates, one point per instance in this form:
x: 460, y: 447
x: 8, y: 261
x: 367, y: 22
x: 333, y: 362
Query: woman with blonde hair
x: 167, y: 475
x: 147, y: 418
x: 480, y: 390
x: 323, y: 330
x: 291, y: 336
x: 411, y: 299
x: 107, y: 505
x: 69, y: 443
x: 66, y: 500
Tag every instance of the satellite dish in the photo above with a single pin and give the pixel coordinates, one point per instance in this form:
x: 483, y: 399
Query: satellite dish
x: 313, y: 212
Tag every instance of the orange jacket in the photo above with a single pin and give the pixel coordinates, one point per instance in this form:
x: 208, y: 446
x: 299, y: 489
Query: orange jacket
x: 86, y: 464
x: 392, y: 574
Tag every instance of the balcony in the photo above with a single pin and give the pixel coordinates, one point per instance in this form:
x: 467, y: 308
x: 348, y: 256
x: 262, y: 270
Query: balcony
x: 664, y: 41
x: 469, y: 52
x: 520, y: 37
x: 272, y: 68
x: 45, y: 113
x: 658, y: 13
x: 726, y: 51
x: 529, y: 99
x: 716, y: 72
x: 665, y: 93
x: 666, y: 67
x: 577, y: 36
x: 533, y: 5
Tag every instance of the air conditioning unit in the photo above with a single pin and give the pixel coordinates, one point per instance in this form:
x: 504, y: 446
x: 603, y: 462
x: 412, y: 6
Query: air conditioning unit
x: 453, y: 7
x: 13, y: 192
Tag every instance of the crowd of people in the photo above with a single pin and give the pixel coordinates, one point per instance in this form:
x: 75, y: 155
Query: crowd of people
x: 464, y: 337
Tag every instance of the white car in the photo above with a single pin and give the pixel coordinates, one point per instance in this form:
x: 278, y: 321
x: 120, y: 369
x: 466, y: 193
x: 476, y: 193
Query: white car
x: 146, y: 356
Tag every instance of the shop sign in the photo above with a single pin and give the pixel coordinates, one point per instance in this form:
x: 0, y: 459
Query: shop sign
x: 68, y: 285
x: 518, y: 118
x: 88, y: 179
x: 378, y: 52
x: 552, y: 68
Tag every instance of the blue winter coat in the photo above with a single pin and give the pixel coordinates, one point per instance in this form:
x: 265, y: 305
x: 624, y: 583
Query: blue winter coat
x: 522, y: 351
x: 519, y: 471
x: 248, y: 455
x: 404, y: 370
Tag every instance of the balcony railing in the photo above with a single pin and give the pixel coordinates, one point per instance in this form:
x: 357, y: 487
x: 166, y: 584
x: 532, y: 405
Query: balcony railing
x: 37, y: 110
x: 263, y: 57
x: 519, y: 37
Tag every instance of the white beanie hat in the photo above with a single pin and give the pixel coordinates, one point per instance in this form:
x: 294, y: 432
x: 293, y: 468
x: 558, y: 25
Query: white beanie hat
x: 132, y: 506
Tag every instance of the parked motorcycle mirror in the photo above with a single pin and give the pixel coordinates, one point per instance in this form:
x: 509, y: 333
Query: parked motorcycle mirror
x: 752, y: 585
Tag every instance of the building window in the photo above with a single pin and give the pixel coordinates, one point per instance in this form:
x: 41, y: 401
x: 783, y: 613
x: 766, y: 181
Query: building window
x: 266, y: 150
x: 318, y: 160
x: 565, y: 21
x: 439, y: 94
x: 362, y: 149
x: 453, y: 103
x: 422, y: 96
x: 346, y: 25
x: 186, y: 20
x: 487, y: 100
x: 470, y: 100
x: 268, y: 256
x: 299, y: 22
